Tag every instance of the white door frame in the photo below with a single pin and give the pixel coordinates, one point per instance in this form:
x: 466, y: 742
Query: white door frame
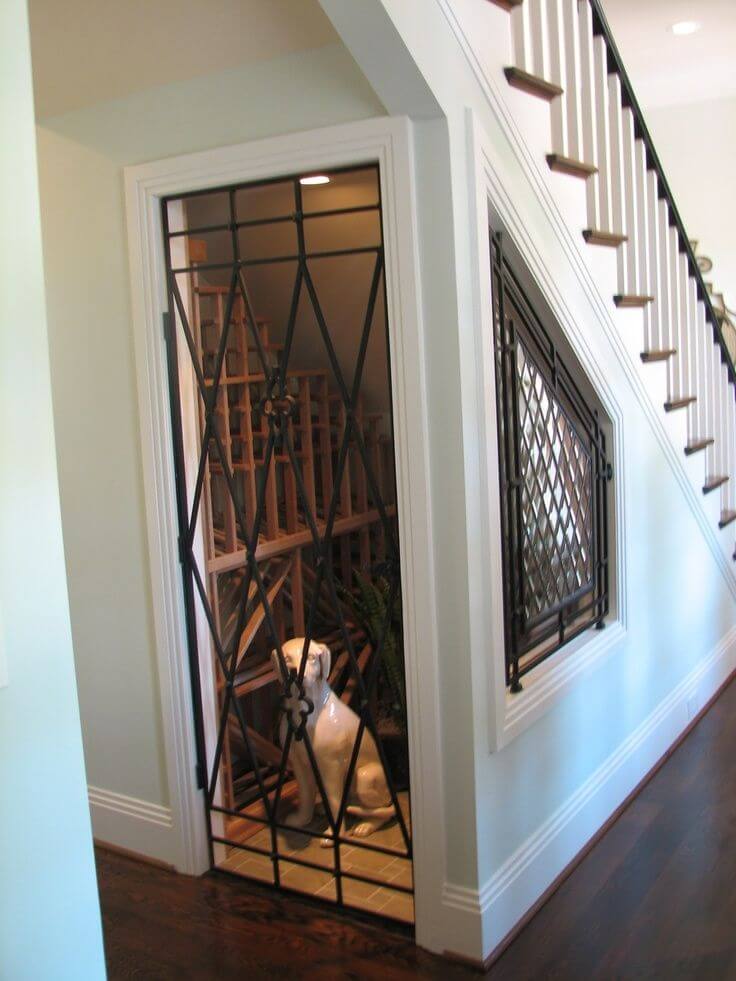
x: 387, y: 141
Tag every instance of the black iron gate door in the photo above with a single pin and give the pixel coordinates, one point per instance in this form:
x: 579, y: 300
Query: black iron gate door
x: 288, y: 532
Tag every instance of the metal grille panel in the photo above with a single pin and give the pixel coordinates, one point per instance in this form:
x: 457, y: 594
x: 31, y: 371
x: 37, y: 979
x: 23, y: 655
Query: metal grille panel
x: 292, y: 502
x: 556, y: 501
x: 554, y: 475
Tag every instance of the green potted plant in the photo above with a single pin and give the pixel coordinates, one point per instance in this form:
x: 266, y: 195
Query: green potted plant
x: 369, y: 604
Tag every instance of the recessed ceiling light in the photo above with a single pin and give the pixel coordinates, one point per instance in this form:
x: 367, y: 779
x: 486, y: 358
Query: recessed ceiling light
x: 315, y: 179
x: 683, y: 27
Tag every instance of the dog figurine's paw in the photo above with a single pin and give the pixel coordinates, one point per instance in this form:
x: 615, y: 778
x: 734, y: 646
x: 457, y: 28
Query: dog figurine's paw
x: 363, y: 829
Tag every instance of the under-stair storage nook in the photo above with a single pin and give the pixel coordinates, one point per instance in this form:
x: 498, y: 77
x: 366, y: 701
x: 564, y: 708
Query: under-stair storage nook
x: 289, y: 546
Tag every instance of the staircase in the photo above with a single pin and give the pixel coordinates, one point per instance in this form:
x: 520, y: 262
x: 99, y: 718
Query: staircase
x: 564, y: 54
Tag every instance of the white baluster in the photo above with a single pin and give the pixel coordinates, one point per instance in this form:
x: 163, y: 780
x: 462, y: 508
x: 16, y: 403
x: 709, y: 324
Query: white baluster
x: 664, y: 293
x: 616, y: 157
x: 713, y: 469
x: 700, y: 342
x: 728, y: 408
x: 628, y: 258
x: 726, y: 453
x: 723, y: 416
x: 539, y: 37
x: 656, y: 324
x: 641, y: 232
x: 521, y: 32
x: 602, y: 114
x: 558, y: 70
x: 572, y: 83
x: 688, y: 351
x: 588, y: 108
x: 677, y: 319
x: 717, y: 386
x: 731, y: 409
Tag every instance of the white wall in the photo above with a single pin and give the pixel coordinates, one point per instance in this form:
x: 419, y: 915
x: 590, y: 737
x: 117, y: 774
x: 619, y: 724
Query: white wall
x: 516, y: 817
x: 49, y: 913
x: 697, y: 146
x: 81, y: 155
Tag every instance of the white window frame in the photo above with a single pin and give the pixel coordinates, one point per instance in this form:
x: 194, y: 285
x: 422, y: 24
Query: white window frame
x: 510, y: 715
x: 387, y: 141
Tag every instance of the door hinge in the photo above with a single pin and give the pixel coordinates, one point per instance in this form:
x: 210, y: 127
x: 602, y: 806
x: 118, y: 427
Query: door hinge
x: 167, y: 326
x: 609, y: 471
x: 182, y: 554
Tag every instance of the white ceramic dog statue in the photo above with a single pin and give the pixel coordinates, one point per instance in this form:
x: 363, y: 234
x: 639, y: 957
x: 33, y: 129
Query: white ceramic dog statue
x: 332, y: 727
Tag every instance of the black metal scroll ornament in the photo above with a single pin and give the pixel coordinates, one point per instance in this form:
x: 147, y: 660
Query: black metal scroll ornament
x: 295, y: 705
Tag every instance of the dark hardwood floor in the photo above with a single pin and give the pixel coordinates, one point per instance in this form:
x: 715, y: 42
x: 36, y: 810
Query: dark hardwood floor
x: 655, y: 898
x: 160, y: 925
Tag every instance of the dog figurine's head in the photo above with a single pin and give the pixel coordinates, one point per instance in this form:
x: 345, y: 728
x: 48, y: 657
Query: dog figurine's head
x: 317, y: 669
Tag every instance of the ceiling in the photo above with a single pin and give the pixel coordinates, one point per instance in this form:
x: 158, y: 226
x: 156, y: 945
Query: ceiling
x: 89, y: 51
x: 668, y: 70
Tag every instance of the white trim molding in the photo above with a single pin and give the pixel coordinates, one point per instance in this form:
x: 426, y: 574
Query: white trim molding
x: 135, y: 825
x: 387, y: 141
x: 502, y: 901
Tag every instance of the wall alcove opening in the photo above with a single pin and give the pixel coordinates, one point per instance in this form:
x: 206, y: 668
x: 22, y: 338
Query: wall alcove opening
x: 279, y: 372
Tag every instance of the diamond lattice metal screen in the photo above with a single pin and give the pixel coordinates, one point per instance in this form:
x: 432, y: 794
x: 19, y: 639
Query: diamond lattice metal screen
x: 289, y: 544
x: 554, y: 475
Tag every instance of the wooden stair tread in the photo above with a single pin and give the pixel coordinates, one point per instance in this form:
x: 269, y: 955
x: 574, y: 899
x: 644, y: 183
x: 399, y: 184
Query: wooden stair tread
x: 532, y: 84
x: 697, y: 445
x: 713, y: 483
x: 573, y: 168
x: 726, y: 518
x: 507, y: 5
x: 594, y: 236
x: 649, y: 356
x: 627, y: 300
x: 679, y: 403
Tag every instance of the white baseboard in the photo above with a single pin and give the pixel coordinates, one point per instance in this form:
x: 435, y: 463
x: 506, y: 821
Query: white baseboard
x: 492, y: 912
x: 132, y: 824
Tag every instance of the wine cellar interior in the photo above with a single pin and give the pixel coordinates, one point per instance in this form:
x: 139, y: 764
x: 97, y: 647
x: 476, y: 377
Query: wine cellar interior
x: 278, y: 301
